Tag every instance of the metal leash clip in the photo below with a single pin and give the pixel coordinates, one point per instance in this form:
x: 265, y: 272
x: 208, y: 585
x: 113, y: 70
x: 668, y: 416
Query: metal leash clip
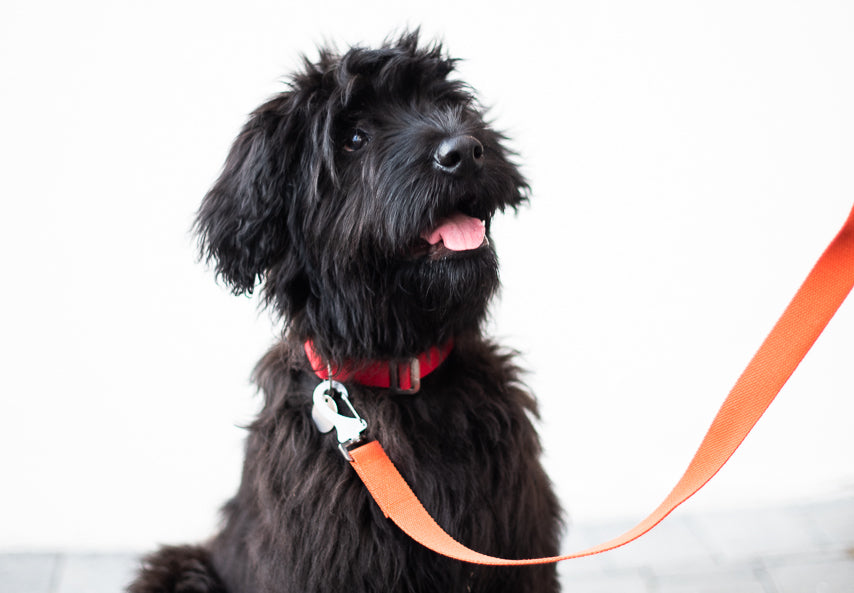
x: 325, y: 414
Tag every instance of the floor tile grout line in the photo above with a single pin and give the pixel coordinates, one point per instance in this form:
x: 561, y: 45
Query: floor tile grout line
x: 764, y: 577
x: 57, y: 569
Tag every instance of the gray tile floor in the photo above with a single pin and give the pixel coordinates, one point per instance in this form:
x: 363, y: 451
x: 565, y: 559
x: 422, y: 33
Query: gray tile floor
x: 805, y: 548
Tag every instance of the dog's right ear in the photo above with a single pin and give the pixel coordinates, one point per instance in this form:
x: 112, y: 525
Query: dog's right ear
x: 241, y: 224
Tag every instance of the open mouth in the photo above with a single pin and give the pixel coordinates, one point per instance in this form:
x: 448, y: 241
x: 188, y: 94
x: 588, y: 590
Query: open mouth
x: 455, y: 235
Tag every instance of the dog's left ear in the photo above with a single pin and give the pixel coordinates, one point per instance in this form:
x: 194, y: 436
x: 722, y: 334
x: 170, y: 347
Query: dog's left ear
x: 241, y: 224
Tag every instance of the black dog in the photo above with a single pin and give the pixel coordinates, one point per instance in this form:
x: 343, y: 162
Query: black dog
x: 361, y: 200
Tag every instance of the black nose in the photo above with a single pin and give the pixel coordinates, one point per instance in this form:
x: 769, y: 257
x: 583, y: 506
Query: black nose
x: 459, y: 155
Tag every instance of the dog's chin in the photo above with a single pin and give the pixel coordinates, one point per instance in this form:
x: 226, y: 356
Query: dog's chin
x: 450, y: 282
x: 451, y: 271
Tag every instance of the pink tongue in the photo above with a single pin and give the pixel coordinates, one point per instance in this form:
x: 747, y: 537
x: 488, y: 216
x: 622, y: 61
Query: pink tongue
x: 458, y: 232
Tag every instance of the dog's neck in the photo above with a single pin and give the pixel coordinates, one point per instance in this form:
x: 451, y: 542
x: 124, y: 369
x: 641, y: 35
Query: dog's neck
x: 402, y: 376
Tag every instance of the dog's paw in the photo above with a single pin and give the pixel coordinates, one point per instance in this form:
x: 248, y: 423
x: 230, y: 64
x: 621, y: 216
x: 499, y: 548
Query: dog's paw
x: 184, y: 569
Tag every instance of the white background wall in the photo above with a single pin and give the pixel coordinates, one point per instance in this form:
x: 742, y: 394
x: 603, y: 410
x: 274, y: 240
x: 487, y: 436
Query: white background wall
x: 690, y: 161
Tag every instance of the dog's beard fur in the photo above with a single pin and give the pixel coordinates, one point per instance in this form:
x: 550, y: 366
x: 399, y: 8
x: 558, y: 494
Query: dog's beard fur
x: 402, y: 308
x: 325, y: 200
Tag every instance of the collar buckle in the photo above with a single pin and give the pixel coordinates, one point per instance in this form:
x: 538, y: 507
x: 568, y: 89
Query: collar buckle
x: 395, y: 378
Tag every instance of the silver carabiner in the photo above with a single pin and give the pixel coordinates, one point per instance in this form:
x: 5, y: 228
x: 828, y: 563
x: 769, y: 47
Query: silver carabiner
x: 325, y: 414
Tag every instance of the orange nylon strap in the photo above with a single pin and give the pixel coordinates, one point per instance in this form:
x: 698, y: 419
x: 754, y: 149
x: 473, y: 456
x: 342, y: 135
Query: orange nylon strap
x: 802, y: 322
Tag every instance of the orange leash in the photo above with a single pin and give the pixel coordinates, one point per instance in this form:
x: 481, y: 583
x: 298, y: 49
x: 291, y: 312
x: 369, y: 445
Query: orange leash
x: 815, y: 303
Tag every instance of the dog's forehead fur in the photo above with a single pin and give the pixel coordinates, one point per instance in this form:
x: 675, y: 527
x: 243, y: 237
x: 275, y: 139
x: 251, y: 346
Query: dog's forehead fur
x: 400, y: 71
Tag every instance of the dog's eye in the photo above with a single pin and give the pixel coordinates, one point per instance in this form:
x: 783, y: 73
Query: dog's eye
x: 356, y: 140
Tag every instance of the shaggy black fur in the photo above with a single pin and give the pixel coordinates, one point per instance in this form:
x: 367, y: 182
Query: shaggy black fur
x: 323, y: 201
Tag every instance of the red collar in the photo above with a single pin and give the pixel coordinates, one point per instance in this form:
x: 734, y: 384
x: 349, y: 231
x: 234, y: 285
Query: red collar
x: 402, y: 376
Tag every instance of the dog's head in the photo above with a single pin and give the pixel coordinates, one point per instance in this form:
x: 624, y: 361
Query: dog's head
x: 361, y: 198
